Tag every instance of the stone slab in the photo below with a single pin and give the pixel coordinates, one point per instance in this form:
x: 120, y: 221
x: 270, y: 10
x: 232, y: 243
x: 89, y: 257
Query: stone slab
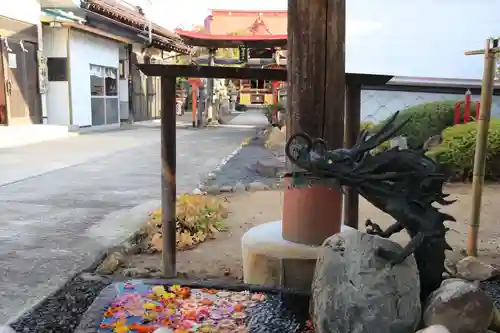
x: 270, y: 260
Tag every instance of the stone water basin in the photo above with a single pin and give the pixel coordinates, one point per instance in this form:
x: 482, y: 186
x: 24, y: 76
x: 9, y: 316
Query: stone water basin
x: 145, y: 305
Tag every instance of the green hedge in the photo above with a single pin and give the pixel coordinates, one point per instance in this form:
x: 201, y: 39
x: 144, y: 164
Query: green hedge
x: 458, y: 148
x: 428, y: 119
x: 272, y: 109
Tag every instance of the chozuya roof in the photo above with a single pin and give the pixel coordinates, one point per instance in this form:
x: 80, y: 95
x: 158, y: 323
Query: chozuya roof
x: 162, y: 38
x: 208, y: 40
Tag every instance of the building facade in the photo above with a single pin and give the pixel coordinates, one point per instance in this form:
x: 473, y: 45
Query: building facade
x: 91, y: 51
x: 224, y: 22
x: 83, y: 76
x: 20, y: 99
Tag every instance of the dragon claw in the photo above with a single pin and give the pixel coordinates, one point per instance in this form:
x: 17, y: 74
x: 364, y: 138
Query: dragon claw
x: 387, y: 255
x: 372, y: 228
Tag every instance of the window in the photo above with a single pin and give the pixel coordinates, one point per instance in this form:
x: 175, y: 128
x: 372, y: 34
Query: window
x: 258, y: 84
x: 104, y: 95
x: 57, y: 69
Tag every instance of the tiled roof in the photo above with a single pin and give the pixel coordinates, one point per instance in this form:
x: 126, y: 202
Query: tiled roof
x: 162, y: 37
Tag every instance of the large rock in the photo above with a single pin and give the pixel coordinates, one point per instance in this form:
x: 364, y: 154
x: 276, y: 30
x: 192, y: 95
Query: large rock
x: 459, y: 305
x: 356, y: 291
x: 470, y: 268
x: 112, y: 262
x: 434, y: 329
x: 276, y: 139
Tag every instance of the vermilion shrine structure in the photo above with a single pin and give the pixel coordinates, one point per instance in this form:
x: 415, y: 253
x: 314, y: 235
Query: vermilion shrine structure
x: 256, y: 51
x: 323, y: 101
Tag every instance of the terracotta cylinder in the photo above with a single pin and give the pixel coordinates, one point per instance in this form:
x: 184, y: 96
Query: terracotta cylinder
x: 311, y: 215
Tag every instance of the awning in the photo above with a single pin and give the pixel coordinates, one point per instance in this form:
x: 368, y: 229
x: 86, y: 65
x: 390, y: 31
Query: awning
x: 94, y: 31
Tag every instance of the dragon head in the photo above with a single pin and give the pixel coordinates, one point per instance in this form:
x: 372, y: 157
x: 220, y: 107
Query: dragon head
x: 313, y: 155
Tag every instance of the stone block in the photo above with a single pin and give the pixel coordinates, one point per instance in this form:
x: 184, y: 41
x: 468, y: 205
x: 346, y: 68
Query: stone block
x: 459, y: 305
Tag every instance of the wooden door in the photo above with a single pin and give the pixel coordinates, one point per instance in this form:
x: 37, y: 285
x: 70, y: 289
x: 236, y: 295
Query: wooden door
x: 3, y: 97
x: 32, y: 83
x: 21, y: 83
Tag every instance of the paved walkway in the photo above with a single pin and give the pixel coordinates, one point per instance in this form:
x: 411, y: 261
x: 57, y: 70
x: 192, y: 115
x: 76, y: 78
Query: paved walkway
x: 62, y: 202
x: 252, y: 117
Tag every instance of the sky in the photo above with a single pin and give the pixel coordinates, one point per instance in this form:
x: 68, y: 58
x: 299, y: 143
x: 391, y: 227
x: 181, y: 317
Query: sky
x: 186, y: 13
x: 382, y: 36
x: 171, y: 14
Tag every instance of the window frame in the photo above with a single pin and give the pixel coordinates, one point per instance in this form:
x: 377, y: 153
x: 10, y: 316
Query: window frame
x: 105, y: 97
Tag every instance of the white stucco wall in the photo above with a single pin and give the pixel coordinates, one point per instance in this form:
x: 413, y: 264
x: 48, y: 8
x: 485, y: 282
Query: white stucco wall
x: 86, y: 49
x: 22, y: 10
x: 55, y: 42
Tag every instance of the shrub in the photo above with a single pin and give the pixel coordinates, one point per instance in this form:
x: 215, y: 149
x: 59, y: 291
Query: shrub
x: 428, y: 119
x: 371, y: 126
x: 240, y: 107
x: 458, y: 148
x: 271, y: 110
x: 367, y: 125
x: 198, y: 218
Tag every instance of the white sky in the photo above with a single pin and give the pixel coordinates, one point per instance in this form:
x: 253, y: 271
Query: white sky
x: 382, y: 36
x: 171, y: 14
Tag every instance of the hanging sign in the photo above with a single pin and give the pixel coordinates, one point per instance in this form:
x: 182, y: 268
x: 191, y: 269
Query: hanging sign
x: 243, y: 53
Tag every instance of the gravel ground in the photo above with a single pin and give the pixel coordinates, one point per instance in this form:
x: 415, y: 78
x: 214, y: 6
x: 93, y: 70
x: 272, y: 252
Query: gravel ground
x: 62, y: 311
x: 240, y: 169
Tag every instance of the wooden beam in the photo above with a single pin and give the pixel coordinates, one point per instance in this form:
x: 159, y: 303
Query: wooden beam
x: 213, y: 72
x: 168, y: 170
x: 222, y: 44
x: 482, y: 51
x: 352, y: 129
x: 489, y: 49
x: 245, y: 73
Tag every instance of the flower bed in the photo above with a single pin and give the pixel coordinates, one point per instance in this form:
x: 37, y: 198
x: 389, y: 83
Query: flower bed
x: 146, y: 305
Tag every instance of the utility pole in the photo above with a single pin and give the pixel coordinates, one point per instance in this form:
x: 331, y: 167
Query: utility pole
x: 315, y: 104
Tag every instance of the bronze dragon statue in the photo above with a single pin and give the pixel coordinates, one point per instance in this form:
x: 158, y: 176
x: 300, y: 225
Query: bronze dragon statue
x: 403, y: 183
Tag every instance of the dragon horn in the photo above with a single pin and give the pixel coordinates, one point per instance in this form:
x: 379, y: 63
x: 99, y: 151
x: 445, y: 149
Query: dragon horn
x: 385, y: 133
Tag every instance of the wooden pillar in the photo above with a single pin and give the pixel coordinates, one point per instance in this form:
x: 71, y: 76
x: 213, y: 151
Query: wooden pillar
x: 210, y: 87
x: 276, y: 83
x: 168, y: 182
x: 195, y: 83
x: 352, y: 128
x: 316, y: 102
